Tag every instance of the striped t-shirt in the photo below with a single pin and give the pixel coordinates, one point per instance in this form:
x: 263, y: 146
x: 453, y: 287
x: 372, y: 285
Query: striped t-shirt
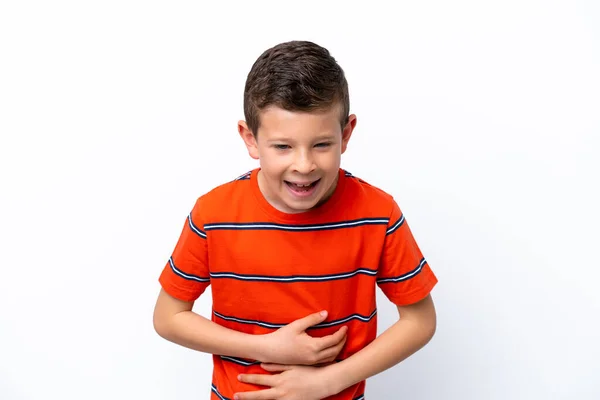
x: 268, y: 268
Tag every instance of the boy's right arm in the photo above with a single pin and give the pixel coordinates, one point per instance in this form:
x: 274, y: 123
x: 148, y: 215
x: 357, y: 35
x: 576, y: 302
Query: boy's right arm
x: 175, y: 321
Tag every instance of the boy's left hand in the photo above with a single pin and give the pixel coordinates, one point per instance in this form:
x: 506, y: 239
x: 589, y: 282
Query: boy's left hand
x: 295, y: 382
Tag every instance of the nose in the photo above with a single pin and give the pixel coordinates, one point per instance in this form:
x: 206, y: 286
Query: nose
x: 304, y: 163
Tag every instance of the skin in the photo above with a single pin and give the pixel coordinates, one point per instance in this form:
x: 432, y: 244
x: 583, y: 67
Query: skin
x: 415, y: 327
x: 298, y: 147
x: 288, y: 149
x: 175, y: 321
x: 301, y: 148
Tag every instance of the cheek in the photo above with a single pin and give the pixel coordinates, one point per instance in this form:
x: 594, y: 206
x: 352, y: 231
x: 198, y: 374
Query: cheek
x: 329, y: 161
x: 273, y: 165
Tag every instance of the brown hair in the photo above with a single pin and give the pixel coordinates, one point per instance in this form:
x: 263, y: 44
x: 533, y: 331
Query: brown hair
x: 295, y: 76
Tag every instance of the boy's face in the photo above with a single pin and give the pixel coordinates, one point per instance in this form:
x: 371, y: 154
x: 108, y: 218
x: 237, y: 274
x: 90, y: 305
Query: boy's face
x: 299, y: 155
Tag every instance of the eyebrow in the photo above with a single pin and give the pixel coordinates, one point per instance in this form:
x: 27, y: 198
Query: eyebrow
x: 318, y: 139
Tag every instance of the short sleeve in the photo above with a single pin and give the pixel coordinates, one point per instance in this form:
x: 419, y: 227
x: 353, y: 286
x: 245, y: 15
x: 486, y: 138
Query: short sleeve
x: 404, y: 275
x: 186, y: 275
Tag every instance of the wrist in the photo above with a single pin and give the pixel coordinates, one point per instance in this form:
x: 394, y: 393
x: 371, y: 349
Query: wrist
x: 259, y: 348
x: 332, y: 376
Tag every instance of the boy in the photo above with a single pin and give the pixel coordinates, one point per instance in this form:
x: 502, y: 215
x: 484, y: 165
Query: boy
x: 295, y: 249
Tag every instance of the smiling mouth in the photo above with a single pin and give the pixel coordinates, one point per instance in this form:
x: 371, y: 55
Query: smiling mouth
x: 302, y: 187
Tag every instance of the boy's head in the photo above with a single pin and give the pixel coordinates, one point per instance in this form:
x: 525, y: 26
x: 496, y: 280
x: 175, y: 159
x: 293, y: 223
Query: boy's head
x: 297, y: 124
x: 295, y: 76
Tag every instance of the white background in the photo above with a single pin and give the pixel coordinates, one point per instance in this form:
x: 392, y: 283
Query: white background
x: 482, y: 119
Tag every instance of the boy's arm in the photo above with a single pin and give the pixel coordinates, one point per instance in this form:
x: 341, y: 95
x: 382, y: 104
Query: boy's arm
x: 175, y: 321
x: 414, y: 330
x: 405, y: 278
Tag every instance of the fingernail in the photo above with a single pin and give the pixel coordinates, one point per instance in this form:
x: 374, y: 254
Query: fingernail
x: 324, y: 313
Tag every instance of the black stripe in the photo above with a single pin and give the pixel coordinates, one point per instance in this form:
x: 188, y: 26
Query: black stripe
x: 243, y: 177
x: 239, y: 361
x: 185, y: 275
x: 396, y: 225
x: 296, y: 228
x: 274, y: 325
x: 247, y: 363
x: 219, y: 395
x: 293, y: 278
x: 404, y: 277
x: 195, y: 229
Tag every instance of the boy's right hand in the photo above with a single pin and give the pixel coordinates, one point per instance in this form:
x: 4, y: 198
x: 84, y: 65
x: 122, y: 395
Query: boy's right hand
x: 291, y: 345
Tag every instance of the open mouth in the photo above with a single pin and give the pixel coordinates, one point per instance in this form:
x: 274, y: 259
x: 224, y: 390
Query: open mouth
x: 302, y: 188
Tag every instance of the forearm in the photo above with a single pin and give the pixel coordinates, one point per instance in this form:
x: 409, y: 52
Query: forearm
x: 193, y: 331
x: 397, y: 343
x: 175, y: 321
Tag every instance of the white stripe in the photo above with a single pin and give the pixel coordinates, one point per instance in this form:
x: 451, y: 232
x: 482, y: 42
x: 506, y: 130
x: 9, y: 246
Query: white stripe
x: 276, y: 326
x: 193, y: 227
x: 404, y: 277
x: 393, y: 228
x: 238, y: 361
x: 291, y: 278
x: 350, y: 318
x: 243, y: 176
x: 297, y: 228
x: 243, y: 321
x: 193, y: 277
x: 214, y: 389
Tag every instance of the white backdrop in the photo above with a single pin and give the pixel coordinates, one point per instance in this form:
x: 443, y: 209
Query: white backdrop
x: 481, y: 118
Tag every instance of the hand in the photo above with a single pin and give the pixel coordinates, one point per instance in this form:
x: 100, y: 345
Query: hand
x: 295, y: 382
x: 291, y: 345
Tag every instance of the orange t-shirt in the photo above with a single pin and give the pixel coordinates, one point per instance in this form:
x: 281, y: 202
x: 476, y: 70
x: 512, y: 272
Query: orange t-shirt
x: 268, y: 268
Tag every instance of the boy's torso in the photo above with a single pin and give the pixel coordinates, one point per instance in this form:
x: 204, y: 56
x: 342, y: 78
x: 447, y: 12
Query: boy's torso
x: 267, y: 271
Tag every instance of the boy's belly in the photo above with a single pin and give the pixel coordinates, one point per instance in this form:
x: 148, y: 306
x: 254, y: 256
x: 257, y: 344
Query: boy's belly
x: 259, y: 307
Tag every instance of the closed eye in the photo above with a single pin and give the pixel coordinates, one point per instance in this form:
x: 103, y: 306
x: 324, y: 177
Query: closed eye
x: 324, y: 144
x: 281, y: 146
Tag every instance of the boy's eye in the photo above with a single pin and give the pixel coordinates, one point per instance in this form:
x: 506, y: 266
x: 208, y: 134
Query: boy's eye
x: 324, y: 144
x: 281, y: 146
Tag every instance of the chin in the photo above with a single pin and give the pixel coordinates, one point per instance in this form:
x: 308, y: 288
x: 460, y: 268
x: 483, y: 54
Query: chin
x: 309, y: 205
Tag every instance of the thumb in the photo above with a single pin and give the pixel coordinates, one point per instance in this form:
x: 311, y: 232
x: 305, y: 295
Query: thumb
x: 310, y: 320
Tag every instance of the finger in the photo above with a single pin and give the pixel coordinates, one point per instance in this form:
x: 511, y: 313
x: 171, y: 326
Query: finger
x: 333, y: 339
x: 303, y: 324
x: 257, y: 379
x: 332, y: 352
x: 325, y: 363
x: 327, y: 360
x: 267, y: 394
x: 329, y: 357
x: 337, y: 339
x: 276, y: 367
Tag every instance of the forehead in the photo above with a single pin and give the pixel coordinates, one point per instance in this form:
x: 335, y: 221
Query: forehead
x: 278, y: 123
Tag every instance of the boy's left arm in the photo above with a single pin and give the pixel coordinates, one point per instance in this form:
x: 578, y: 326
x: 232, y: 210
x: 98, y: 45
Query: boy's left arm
x: 414, y: 329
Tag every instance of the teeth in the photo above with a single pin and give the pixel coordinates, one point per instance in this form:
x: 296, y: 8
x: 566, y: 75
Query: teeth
x: 300, y: 185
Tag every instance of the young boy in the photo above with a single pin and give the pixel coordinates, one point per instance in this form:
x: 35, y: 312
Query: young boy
x: 294, y: 251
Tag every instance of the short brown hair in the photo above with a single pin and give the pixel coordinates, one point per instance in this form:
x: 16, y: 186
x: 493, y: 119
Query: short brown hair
x: 295, y: 76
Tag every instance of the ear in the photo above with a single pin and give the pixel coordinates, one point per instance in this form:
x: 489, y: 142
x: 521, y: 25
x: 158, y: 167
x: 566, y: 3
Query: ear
x: 249, y: 139
x: 347, y: 132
